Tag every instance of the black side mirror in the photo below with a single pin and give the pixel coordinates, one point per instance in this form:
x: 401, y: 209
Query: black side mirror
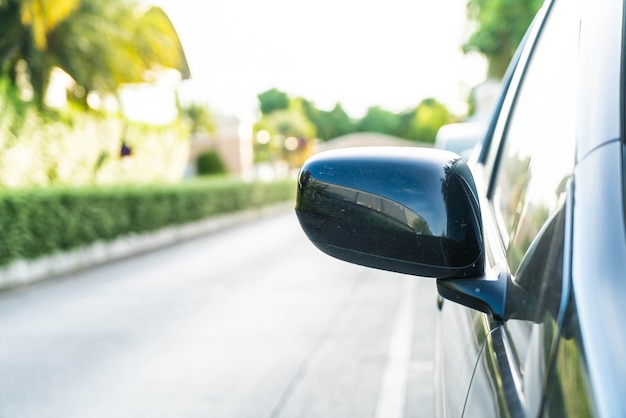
x: 409, y: 210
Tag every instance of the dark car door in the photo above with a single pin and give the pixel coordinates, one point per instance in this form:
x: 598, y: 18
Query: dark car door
x: 526, y: 169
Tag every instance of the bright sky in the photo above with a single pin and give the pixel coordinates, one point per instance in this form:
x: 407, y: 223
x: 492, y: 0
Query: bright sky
x: 360, y: 53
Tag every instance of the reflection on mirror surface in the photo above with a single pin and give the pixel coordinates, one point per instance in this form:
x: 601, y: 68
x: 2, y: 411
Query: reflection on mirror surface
x: 414, y: 209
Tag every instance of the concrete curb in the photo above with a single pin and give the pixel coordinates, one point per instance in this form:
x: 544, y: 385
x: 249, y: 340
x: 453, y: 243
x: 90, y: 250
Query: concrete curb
x: 22, y: 272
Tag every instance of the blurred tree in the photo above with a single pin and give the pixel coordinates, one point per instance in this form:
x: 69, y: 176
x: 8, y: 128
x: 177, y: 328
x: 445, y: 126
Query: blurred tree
x: 273, y: 100
x: 501, y: 25
x: 285, y: 123
x: 106, y: 44
x: 100, y: 44
x: 328, y: 124
x: 198, y: 117
x: 24, y: 29
x: 430, y: 115
x: 341, y: 121
x: 282, y: 129
x: 42, y: 16
x: 378, y: 120
x: 318, y: 117
x: 418, y: 124
x: 407, y: 126
x: 302, y: 119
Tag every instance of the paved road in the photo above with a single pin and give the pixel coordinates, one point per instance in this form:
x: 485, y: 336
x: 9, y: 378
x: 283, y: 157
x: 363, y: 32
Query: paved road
x: 249, y: 322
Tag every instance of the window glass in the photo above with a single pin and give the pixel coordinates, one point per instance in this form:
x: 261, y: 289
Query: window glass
x: 529, y: 191
x: 538, y: 154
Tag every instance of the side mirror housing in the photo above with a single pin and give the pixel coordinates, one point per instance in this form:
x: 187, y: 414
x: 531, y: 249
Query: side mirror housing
x: 409, y: 210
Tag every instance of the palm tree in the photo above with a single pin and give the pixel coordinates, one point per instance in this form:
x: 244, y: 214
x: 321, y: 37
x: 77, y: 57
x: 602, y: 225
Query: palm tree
x: 24, y: 28
x: 100, y: 44
x: 106, y: 44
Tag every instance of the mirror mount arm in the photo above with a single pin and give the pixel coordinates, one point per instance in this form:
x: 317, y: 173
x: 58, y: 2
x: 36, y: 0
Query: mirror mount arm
x: 497, y: 296
x: 485, y: 294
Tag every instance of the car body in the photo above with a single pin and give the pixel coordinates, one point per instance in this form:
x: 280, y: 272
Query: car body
x: 527, y: 242
x: 461, y: 138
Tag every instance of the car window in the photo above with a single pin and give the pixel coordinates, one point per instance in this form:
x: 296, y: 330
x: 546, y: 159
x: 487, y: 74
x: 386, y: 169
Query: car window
x: 538, y: 154
x: 531, y: 180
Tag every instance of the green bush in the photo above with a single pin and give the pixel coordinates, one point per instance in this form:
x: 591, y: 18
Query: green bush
x: 37, y: 222
x: 75, y: 148
x: 210, y: 163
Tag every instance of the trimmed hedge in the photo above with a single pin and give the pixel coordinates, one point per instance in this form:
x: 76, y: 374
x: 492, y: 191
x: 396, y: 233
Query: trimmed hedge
x: 37, y: 222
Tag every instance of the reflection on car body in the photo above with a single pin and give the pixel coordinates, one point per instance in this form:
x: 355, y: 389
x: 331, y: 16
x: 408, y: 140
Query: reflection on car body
x: 461, y: 138
x: 529, y: 247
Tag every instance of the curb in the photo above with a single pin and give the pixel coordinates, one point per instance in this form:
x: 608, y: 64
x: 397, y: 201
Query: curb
x: 23, y: 272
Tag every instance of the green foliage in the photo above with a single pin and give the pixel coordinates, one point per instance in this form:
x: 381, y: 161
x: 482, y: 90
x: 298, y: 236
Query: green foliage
x: 106, y: 44
x: 280, y: 125
x: 37, y: 222
x: 198, y: 117
x: 290, y: 122
x: 210, y: 163
x: 13, y: 112
x: 420, y: 124
x: 273, y: 100
x: 302, y: 119
x: 430, y: 115
x: 379, y: 120
x: 78, y: 148
x: 341, y: 121
x: 407, y: 126
x: 100, y: 44
x: 329, y: 124
x: 501, y: 25
x: 24, y: 29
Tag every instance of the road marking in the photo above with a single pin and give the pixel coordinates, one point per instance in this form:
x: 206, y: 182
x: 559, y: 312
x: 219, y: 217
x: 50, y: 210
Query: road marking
x: 392, y: 394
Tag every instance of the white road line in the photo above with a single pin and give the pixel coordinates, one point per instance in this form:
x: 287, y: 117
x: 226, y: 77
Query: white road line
x: 392, y: 395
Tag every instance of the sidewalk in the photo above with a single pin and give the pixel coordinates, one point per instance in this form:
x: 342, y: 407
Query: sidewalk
x: 22, y: 272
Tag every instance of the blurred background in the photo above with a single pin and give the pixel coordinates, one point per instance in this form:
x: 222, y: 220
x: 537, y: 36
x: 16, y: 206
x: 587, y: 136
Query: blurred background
x: 84, y: 82
x: 130, y: 93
